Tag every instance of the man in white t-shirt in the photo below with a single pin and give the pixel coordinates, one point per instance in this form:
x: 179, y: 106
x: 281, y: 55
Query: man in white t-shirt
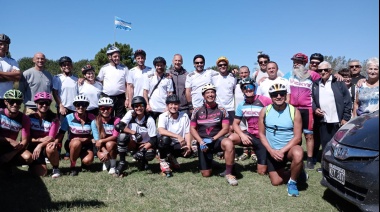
x: 157, y: 86
x: 174, y: 139
x: 114, y: 77
x: 260, y: 75
x: 272, y: 69
x: 135, y: 77
x: 9, y: 71
x: 225, y: 83
x: 196, y: 80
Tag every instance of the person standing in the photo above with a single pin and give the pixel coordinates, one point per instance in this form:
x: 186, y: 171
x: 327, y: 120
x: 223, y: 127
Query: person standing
x: 179, y: 75
x: 35, y: 80
x: 91, y: 89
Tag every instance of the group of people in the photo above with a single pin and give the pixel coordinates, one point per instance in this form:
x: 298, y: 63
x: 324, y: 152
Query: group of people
x: 205, y: 111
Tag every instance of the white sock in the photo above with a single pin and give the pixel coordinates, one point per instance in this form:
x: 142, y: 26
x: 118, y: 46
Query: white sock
x: 291, y: 180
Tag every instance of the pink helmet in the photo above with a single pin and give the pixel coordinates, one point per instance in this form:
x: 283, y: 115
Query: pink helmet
x: 42, y: 96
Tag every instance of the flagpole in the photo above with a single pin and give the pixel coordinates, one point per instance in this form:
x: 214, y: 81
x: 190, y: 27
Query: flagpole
x: 114, y: 32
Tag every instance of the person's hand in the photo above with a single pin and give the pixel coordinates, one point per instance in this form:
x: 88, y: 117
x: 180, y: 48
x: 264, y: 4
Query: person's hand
x: 186, y: 150
x: 148, y: 108
x: 130, y: 106
x: 277, y: 155
x: 319, y: 112
x: 339, y: 77
x: 62, y: 110
x: 80, y: 81
x: 343, y: 122
x: 203, y: 147
x: 51, y: 146
x: 360, y: 83
x: 36, y: 152
x: 126, y: 103
x: 245, y: 139
x: 98, y: 144
x: 103, y: 156
x: 181, y: 140
x: 44, y: 139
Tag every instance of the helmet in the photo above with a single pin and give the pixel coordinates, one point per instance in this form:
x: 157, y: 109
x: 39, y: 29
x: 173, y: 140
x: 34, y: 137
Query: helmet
x: 317, y: 56
x: 208, y: 86
x: 222, y: 58
x: 277, y: 87
x: 247, y: 81
x: 81, y: 98
x: 64, y: 59
x: 42, y: 96
x: 87, y: 68
x: 5, y: 38
x: 139, y: 52
x: 172, y: 99
x: 138, y: 100
x: 159, y: 60
x: 300, y: 56
x: 13, y: 94
x: 112, y: 49
x: 105, y: 101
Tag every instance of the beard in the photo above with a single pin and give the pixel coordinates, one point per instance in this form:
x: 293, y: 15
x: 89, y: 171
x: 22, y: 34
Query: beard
x: 301, y: 72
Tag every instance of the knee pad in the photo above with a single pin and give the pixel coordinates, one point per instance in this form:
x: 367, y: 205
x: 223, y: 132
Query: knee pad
x: 120, y: 126
x: 150, y: 154
x: 122, y: 142
x: 164, y: 142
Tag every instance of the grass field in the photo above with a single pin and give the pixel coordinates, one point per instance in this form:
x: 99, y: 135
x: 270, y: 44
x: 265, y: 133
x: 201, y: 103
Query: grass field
x: 95, y: 190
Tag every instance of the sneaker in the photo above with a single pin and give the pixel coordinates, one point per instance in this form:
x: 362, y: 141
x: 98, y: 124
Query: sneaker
x: 303, y: 177
x: 254, y: 158
x: 56, y: 173
x: 244, y: 156
x: 164, y: 166
x: 223, y: 174
x: 310, y: 164
x: 173, y: 162
x: 120, y: 168
x: 112, y: 170
x: 292, y: 189
x: 104, y: 168
x: 194, y: 148
x: 47, y: 160
x: 73, y: 171
x: 319, y: 170
x: 231, y: 180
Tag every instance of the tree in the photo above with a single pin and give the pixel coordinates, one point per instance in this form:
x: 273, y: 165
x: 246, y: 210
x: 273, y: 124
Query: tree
x: 25, y: 63
x: 337, y: 63
x: 126, y: 53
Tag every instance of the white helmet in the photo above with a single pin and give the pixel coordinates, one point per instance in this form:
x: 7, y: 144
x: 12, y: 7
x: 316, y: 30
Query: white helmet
x: 277, y: 87
x: 105, y: 101
x: 208, y: 86
x: 81, y: 98
x: 112, y: 49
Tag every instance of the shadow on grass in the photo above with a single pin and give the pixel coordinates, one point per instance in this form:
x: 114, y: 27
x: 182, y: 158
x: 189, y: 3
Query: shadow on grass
x: 338, y: 202
x: 24, y: 192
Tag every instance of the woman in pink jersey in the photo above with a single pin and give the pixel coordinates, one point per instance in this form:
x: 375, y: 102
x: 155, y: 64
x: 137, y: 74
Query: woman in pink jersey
x: 44, y: 126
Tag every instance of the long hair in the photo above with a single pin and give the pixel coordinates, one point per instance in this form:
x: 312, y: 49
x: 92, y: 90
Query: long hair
x: 100, y: 127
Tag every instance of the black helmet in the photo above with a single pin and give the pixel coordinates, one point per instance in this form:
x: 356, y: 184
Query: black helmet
x: 172, y: 99
x: 139, y: 52
x: 5, y: 38
x: 317, y: 56
x: 138, y: 100
x: 159, y: 60
x: 87, y: 68
x: 64, y: 59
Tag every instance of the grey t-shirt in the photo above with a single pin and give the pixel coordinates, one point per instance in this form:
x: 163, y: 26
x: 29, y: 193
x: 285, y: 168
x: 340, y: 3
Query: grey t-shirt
x: 34, y: 81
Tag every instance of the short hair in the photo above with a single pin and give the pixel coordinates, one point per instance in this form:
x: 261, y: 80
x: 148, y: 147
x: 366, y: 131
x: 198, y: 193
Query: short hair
x: 373, y: 61
x: 244, y: 67
x: 345, y: 72
x: 354, y: 61
x: 325, y: 63
x: 263, y: 56
x: 274, y: 63
x: 199, y: 56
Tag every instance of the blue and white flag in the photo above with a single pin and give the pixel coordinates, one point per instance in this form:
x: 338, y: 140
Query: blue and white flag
x: 121, y: 24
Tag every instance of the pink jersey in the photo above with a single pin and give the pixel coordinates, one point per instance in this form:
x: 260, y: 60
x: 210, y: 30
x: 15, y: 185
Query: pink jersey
x: 10, y: 127
x: 48, y: 126
x: 301, y: 91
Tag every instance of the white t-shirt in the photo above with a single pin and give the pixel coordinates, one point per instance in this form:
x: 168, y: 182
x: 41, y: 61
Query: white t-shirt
x: 67, y: 88
x: 7, y: 64
x: 225, y: 86
x: 196, y: 81
x: 92, y: 92
x: 136, y: 78
x: 147, y: 131
x: 114, y: 79
x: 257, y: 75
x: 263, y: 88
x: 158, y: 98
x: 179, y: 126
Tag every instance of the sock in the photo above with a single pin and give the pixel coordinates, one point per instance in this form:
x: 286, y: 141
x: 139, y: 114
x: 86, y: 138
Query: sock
x: 73, y: 164
x: 55, y: 167
x: 291, y: 180
x: 245, y: 150
x: 310, y: 159
x: 122, y: 156
x: 113, y: 163
x: 229, y: 169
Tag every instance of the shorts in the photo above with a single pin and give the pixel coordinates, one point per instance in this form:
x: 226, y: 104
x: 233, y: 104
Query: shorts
x: 231, y: 116
x: 274, y: 165
x: 7, y: 148
x: 260, y: 150
x: 307, y: 120
x: 41, y: 158
x: 205, y: 158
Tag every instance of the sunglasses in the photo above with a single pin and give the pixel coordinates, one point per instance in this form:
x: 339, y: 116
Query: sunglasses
x: 12, y: 102
x: 198, y: 62
x: 314, y: 63
x: 355, y: 66
x: 41, y: 103
x: 275, y: 94
x: 81, y: 104
x: 138, y: 105
x: 248, y: 87
x: 263, y: 62
x: 221, y: 65
x: 324, y: 69
x: 65, y: 64
x: 105, y: 108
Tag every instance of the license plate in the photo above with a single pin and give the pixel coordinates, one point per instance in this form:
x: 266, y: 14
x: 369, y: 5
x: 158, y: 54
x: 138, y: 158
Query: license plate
x: 337, y: 173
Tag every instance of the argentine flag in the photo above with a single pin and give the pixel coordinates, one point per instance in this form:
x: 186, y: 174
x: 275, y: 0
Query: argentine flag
x: 121, y: 24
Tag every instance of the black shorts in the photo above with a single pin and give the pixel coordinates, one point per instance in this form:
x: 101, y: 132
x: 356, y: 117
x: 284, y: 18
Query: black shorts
x: 307, y: 120
x: 7, y: 148
x: 260, y: 150
x: 205, y: 158
x: 231, y: 116
x: 41, y: 157
x: 274, y: 165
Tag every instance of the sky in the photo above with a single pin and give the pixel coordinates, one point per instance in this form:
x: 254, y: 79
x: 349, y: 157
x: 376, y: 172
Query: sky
x: 213, y: 28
